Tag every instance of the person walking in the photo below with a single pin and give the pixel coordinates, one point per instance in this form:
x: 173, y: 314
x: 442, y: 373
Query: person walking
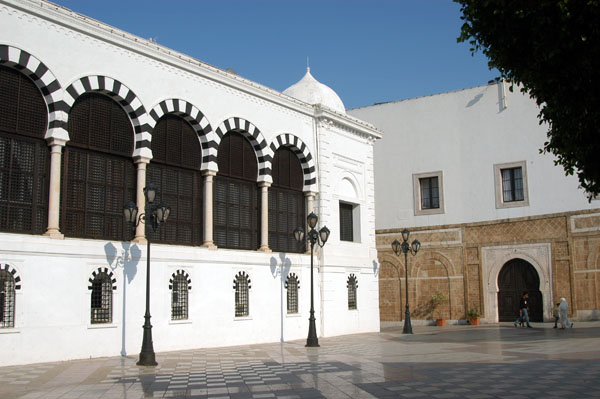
x: 556, y: 310
x: 563, y: 314
x: 523, y: 310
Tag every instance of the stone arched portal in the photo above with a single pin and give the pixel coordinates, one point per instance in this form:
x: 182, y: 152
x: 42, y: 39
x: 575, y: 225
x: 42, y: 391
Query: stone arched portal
x: 516, y: 277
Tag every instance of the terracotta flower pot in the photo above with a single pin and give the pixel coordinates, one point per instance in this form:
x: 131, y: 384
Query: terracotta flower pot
x: 474, y: 321
x: 440, y: 322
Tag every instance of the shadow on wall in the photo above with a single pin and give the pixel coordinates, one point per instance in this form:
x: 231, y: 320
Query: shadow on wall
x: 281, y: 269
x: 127, y: 258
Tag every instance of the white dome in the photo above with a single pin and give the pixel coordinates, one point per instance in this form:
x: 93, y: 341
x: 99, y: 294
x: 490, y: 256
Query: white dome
x: 309, y: 90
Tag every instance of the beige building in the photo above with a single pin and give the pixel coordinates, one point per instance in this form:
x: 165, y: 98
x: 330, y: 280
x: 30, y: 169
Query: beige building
x: 462, y: 171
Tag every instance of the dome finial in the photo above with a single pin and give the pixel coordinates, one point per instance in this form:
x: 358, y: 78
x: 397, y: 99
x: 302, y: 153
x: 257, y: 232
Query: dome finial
x: 307, y: 64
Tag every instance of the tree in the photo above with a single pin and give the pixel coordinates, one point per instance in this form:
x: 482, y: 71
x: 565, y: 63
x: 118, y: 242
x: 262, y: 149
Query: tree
x: 551, y: 49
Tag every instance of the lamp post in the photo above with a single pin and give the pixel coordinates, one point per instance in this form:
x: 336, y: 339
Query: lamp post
x: 314, y: 237
x: 155, y: 214
x: 405, y: 248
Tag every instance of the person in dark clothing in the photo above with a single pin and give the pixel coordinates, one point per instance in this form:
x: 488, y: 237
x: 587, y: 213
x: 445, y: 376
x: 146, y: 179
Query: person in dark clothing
x: 523, y: 310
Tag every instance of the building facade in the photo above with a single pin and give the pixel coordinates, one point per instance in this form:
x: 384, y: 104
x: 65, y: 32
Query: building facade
x: 462, y: 171
x: 89, y: 117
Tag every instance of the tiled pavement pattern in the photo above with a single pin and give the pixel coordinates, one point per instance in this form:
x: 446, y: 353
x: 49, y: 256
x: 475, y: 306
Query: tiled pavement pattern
x: 494, y: 361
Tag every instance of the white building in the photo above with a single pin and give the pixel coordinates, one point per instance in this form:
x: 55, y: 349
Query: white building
x: 463, y: 172
x: 89, y: 115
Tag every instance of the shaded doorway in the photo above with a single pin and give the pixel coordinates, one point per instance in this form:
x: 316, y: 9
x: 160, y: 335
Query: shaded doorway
x: 515, y: 277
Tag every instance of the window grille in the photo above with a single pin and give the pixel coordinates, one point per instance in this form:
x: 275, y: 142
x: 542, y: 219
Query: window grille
x: 346, y: 222
x: 101, y: 298
x: 100, y: 175
x: 241, y: 285
x: 512, y: 184
x: 292, y: 285
x: 179, y: 286
x: 235, y: 197
x: 352, y: 286
x: 286, y: 202
x: 24, y: 155
x: 7, y: 299
x: 430, y: 194
x: 175, y: 168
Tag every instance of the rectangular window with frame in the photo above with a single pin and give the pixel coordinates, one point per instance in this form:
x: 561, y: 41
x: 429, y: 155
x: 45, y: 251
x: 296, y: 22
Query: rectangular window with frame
x: 346, y: 222
x: 510, y: 181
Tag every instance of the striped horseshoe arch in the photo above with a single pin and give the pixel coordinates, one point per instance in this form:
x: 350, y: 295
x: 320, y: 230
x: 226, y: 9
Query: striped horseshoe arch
x: 253, y: 134
x: 125, y: 97
x: 44, y: 80
x: 301, y: 150
x: 194, y: 117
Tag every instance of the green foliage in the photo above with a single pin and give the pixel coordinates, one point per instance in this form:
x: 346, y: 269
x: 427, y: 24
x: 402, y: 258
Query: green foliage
x: 551, y: 49
x: 436, y: 300
x: 473, y: 313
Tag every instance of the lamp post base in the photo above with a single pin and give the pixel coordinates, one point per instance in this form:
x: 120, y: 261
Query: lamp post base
x: 407, y: 326
x: 312, y: 340
x: 147, y: 356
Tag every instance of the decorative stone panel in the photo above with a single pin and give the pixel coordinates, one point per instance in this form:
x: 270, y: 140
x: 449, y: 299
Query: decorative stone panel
x: 518, y: 231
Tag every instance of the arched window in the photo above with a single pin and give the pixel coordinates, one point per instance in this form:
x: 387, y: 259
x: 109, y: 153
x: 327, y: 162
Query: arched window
x: 286, y: 202
x: 98, y: 172
x: 241, y: 285
x: 101, y: 306
x: 7, y: 299
x: 235, y: 201
x: 291, y: 285
x: 175, y: 169
x: 179, y: 286
x: 24, y: 155
x: 352, y: 288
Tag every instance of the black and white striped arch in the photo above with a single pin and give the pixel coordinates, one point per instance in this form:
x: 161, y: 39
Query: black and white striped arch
x: 253, y: 134
x: 180, y: 273
x: 13, y: 272
x: 44, y: 80
x: 105, y: 270
x: 301, y: 150
x: 124, y: 96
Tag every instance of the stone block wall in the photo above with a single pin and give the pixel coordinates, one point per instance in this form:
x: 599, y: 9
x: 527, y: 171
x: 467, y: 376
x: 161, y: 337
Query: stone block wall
x: 563, y: 248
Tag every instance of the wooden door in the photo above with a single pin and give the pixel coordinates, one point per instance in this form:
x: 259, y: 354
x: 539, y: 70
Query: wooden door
x: 516, y: 277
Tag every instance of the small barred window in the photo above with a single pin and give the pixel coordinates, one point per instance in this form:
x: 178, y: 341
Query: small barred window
x: 241, y: 285
x: 7, y: 299
x: 352, y: 288
x: 180, y: 284
x: 101, y: 299
x: 291, y: 285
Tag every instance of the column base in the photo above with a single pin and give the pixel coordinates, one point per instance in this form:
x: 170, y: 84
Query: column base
x: 140, y: 240
x: 54, y: 233
x: 265, y: 249
x: 209, y: 245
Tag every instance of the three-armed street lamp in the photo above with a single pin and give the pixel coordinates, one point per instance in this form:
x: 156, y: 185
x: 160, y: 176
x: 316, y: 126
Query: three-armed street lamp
x: 314, y: 237
x: 405, y: 248
x: 155, y: 215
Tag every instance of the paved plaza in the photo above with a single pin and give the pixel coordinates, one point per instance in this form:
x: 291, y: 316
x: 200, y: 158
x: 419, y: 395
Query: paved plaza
x: 489, y: 361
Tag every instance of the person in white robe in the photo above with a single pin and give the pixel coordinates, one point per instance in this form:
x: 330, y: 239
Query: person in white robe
x: 563, y: 314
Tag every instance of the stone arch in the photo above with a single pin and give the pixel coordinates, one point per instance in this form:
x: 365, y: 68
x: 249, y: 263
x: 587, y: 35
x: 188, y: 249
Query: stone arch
x: 109, y: 273
x: 125, y: 97
x: 494, y: 258
x: 45, y: 81
x: 195, y: 118
x: 254, y: 136
x: 448, y: 270
x: 301, y: 150
x: 348, y: 178
x: 185, y: 275
x: 14, y: 273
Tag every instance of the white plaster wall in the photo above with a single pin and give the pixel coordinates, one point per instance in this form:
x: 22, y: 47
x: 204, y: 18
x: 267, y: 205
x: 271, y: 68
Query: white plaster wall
x: 463, y: 134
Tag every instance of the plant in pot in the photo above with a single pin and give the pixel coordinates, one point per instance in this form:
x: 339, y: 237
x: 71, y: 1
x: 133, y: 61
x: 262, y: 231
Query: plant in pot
x: 436, y: 300
x: 473, y: 316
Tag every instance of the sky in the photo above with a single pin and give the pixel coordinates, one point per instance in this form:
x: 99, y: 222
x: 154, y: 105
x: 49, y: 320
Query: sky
x: 368, y: 51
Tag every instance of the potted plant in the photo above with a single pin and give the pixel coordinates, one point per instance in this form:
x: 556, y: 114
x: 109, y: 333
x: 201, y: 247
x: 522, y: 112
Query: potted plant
x: 436, y: 300
x: 473, y: 316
